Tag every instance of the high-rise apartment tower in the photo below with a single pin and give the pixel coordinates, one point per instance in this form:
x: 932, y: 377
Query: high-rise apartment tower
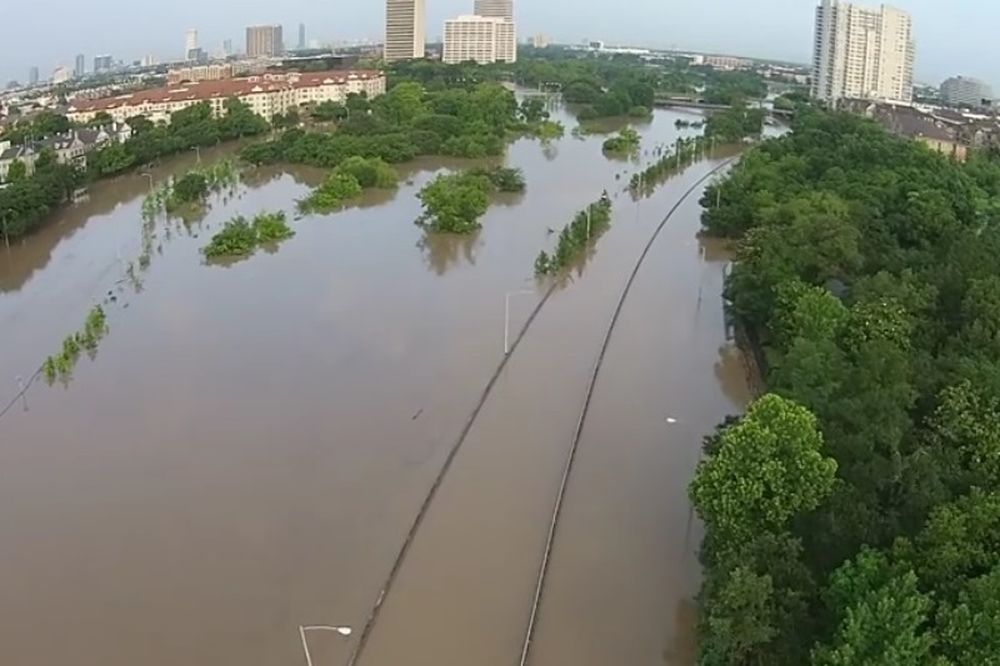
x: 496, y: 8
x: 862, y: 53
x: 264, y: 41
x: 405, y: 29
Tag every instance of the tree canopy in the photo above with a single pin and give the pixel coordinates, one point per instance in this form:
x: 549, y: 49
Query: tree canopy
x: 866, y: 273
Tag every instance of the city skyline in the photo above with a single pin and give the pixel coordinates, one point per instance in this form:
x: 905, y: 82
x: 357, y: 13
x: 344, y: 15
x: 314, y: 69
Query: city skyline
x: 779, y: 31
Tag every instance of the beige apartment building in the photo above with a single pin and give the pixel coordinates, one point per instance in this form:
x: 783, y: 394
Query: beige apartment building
x: 266, y: 95
x: 264, y: 41
x: 405, y: 28
x: 862, y: 53
x: 496, y: 8
x: 479, y: 38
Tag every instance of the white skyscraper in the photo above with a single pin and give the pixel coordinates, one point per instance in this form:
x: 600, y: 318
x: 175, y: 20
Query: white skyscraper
x: 405, y: 29
x: 507, y: 34
x: 483, y: 39
x: 862, y: 53
x: 190, y: 41
x: 499, y: 8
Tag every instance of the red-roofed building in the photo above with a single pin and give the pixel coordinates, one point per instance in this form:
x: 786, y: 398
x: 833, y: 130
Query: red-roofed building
x: 266, y: 94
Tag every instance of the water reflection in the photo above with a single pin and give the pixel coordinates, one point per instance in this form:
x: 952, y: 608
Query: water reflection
x: 446, y: 251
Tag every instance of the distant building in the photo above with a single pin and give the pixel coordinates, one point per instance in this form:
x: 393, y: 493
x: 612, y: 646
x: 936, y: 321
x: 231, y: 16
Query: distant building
x: 80, y: 67
x: 967, y: 92
x: 198, y: 56
x: 264, y: 41
x: 102, y: 63
x: 302, y: 37
x: 266, y: 95
x: 148, y: 60
x: 862, y: 53
x: 479, y: 38
x: 215, y: 72
x: 405, y: 29
x: 61, y: 75
x: 33, y: 76
x: 727, y: 63
x: 495, y: 8
x: 227, y: 47
x: 938, y: 132
x: 190, y: 42
x: 541, y: 41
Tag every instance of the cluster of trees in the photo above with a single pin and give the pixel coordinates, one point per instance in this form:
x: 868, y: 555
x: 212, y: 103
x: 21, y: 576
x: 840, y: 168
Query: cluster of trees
x: 60, y: 366
x: 191, y: 189
x: 349, y: 180
x: 723, y: 87
x: 453, y: 203
x: 625, y: 142
x: 189, y: 128
x: 685, y: 152
x: 43, y: 125
x: 853, y: 514
x: 405, y: 122
x: 576, y: 236
x: 240, y: 238
x: 27, y: 200
x: 735, y: 124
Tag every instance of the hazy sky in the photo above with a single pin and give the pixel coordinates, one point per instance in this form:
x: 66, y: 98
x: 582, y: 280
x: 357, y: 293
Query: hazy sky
x: 953, y: 36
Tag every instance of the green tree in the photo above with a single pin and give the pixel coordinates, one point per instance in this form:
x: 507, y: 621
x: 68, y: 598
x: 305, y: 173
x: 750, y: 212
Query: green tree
x: 969, y: 629
x: 17, y: 171
x: 768, y: 469
x: 882, y: 615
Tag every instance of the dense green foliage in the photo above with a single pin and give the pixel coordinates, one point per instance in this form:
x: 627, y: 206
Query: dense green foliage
x: 188, y: 128
x: 40, y: 126
x: 734, y: 88
x: 575, y: 237
x: 402, y: 124
x: 735, y: 124
x: 60, y: 366
x: 866, y: 272
x: 25, y: 203
x: 453, y: 203
x: 348, y: 181
x: 240, y: 238
x: 625, y: 142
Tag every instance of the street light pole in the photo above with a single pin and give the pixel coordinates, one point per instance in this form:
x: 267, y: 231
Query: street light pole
x: 343, y: 631
x: 506, y: 319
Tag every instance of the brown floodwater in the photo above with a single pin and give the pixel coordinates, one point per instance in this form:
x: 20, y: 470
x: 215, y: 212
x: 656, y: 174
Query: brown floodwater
x: 249, y: 447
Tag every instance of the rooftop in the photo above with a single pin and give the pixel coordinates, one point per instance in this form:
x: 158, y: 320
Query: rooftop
x: 207, y: 90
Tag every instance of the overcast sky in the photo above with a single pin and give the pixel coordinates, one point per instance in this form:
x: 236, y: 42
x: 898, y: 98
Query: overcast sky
x: 953, y: 36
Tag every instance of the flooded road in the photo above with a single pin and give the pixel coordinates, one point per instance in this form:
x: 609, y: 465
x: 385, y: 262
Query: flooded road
x: 251, y: 443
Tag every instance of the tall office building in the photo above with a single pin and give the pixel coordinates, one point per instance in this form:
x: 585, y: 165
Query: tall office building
x: 190, y: 42
x: 227, y: 47
x: 862, y: 53
x: 264, y: 40
x: 80, y: 67
x: 483, y: 39
x: 102, y: 63
x: 405, y: 29
x: 966, y: 91
x: 498, y: 8
x: 302, y: 36
x: 32, y: 76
